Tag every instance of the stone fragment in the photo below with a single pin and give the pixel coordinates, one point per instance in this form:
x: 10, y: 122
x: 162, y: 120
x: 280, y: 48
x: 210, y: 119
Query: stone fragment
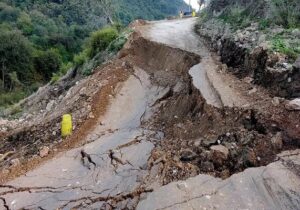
x: 277, y: 141
x: 293, y: 105
x: 220, y: 150
x: 44, y: 151
x: 15, y: 162
x: 187, y: 155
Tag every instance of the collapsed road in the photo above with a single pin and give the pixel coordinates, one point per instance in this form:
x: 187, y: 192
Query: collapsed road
x: 177, y: 134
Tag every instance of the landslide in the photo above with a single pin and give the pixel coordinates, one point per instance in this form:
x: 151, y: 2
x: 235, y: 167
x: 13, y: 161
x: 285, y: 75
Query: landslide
x: 198, y: 138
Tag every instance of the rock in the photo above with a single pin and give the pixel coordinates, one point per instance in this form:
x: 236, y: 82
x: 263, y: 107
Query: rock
x: 219, y: 154
x: 293, y: 105
x: 253, y: 90
x: 50, y: 105
x: 197, y: 143
x: 296, y: 33
x: 277, y: 141
x: 249, y: 158
x: 248, y: 80
x: 208, y: 142
x: 207, y: 166
x: 182, y: 186
x: 221, y: 149
x: 187, y: 155
x: 296, y: 65
x: 272, y: 60
x: 277, y: 30
x: 275, y: 101
x: 15, y: 162
x: 91, y: 115
x: 44, y: 151
x: 225, y: 174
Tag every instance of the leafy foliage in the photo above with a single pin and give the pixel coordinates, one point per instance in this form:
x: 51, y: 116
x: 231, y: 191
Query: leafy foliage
x: 100, y: 40
x: 42, y: 39
x: 281, y: 45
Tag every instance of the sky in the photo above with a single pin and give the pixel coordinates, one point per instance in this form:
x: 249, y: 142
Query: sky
x: 193, y: 3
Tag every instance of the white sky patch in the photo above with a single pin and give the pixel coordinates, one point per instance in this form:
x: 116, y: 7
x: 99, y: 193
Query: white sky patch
x: 194, y: 3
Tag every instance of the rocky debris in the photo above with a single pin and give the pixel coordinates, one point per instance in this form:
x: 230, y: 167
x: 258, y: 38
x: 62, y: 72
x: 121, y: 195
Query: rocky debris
x: 253, y: 90
x: 219, y: 151
x: 15, y: 162
x: 187, y: 155
x: 296, y: 65
x: 276, y: 101
x: 246, y: 53
x: 245, y: 190
x: 277, y: 141
x: 44, y: 151
x: 293, y: 105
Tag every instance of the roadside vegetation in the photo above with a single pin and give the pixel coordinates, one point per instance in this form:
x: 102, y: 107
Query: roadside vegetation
x: 278, y: 19
x: 41, y: 40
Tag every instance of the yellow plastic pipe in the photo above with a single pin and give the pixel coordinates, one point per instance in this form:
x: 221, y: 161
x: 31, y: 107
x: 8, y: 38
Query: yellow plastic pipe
x: 66, y: 125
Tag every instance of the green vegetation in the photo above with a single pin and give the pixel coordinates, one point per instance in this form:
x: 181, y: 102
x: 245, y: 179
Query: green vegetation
x: 286, y: 13
x: 41, y: 40
x: 236, y: 17
x: 278, y: 20
x: 240, y: 13
x: 279, y: 44
x: 100, y: 40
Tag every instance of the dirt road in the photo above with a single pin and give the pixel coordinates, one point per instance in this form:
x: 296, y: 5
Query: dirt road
x: 119, y: 165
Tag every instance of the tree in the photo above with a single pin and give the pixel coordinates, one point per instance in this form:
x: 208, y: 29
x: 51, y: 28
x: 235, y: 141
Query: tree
x: 108, y: 9
x: 15, y: 56
x: 47, y: 63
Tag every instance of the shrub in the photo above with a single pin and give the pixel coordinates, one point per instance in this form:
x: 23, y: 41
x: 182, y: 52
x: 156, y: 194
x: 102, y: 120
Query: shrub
x: 236, y: 16
x: 100, y: 40
x: 47, y: 63
x: 80, y: 58
x: 9, y: 98
x: 118, y: 43
x: 286, y: 12
x: 264, y: 23
x: 280, y: 45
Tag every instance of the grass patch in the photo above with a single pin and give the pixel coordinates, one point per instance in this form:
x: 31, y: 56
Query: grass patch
x: 236, y: 16
x: 282, y: 45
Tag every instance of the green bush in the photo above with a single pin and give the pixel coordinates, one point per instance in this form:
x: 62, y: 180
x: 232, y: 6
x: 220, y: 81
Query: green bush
x: 10, y: 98
x: 80, y: 58
x: 47, y: 62
x: 264, y: 24
x: 118, y: 43
x: 100, y: 40
x: 286, y: 13
x: 236, y: 17
x: 280, y: 45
